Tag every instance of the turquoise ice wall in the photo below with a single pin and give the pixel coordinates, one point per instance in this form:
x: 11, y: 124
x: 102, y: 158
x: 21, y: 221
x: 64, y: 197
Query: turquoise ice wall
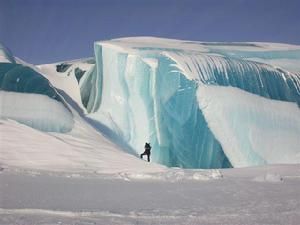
x: 149, y: 95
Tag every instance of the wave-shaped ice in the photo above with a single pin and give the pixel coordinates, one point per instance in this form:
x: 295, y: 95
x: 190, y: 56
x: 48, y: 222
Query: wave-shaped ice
x: 23, y: 79
x: 145, y: 89
x: 201, y: 105
x: 29, y: 98
x: 149, y: 90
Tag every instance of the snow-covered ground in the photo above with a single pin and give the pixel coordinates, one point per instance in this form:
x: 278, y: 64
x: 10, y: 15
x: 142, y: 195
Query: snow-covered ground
x: 83, y: 178
x: 265, y: 195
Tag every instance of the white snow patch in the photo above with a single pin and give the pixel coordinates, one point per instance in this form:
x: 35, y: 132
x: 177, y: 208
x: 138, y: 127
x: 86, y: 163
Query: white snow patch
x: 174, y: 175
x: 35, y: 110
x: 269, y: 177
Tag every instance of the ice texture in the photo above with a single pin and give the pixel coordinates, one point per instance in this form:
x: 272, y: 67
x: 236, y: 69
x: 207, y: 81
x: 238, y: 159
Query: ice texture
x: 28, y: 97
x: 145, y: 89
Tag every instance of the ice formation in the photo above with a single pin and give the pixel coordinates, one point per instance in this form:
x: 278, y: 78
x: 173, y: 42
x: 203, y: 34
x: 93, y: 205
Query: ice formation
x: 28, y: 97
x: 151, y: 89
x: 200, y: 105
x: 251, y: 128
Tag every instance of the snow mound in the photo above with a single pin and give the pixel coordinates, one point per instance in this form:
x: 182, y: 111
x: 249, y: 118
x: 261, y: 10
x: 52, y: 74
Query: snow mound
x: 36, y: 110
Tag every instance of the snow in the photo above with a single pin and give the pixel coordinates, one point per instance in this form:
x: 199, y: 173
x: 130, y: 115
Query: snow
x: 66, y: 81
x: 34, y: 111
x: 81, y: 150
x: 269, y: 177
x: 165, y: 43
x: 236, y: 198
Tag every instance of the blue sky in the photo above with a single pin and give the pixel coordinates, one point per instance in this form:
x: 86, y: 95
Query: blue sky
x: 44, y: 31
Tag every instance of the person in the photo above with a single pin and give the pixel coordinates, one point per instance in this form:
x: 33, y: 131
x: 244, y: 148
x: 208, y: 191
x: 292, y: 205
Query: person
x: 147, y: 151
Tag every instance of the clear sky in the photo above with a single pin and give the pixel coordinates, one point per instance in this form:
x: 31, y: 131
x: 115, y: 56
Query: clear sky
x: 41, y: 31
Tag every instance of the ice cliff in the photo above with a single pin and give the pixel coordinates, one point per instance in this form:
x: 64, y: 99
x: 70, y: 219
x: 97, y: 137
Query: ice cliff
x: 201, y: 105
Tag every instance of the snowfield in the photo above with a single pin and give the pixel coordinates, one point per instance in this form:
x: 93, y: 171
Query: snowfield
x: 71, y: 134
x: 264, y: 195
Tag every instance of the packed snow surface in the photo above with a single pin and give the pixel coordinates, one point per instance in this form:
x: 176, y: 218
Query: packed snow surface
x: 262, y: 195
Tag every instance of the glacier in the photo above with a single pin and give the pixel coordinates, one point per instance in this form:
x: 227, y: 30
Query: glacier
x: 199, y: 104
x: 150, y: 90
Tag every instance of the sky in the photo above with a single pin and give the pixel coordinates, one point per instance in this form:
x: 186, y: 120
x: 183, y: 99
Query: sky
x: 46, y: 31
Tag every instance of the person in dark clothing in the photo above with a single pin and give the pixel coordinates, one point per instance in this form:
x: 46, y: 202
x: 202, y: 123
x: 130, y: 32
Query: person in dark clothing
x: 147, y: 151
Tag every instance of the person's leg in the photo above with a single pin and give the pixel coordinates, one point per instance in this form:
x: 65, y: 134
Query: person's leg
x: 142, y: 155
x: 148, y: 157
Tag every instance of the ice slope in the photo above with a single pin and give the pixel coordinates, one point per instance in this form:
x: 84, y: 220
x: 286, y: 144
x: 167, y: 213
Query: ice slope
x: 145, y: 89
x: 80, y: 151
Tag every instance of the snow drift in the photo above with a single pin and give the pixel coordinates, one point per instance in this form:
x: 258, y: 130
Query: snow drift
x: 35, y: 110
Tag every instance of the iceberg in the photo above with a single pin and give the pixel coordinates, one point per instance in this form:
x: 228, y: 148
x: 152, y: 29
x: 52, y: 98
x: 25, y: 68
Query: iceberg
x: 158, y: 90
